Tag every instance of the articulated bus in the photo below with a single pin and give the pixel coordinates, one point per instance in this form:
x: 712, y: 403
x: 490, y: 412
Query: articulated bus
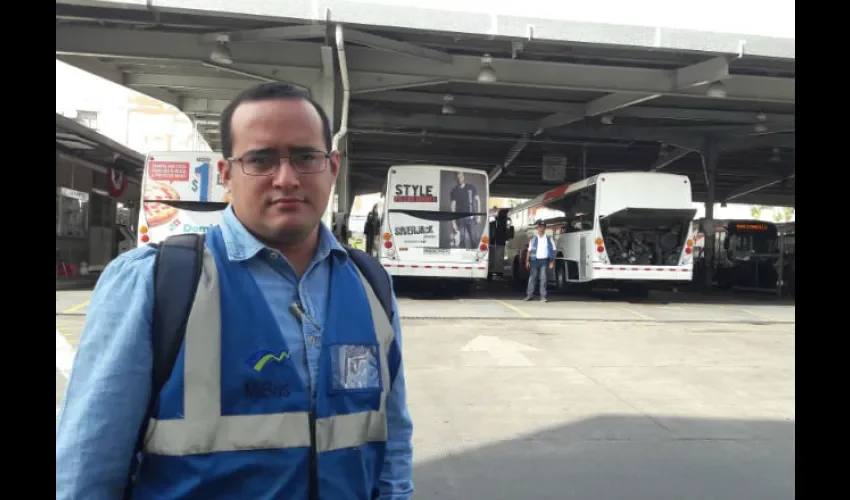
x: 625, y: 230
x: 432, y: 224
x: 182, y: 192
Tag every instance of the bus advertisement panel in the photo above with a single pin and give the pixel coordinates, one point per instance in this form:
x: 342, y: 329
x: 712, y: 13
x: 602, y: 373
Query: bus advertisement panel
x: 437, y: 208
x: 435, y: 223
x: 182, y: 192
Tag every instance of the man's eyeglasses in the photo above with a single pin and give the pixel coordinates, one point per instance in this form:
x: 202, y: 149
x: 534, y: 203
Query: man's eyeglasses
x: 267, y: 162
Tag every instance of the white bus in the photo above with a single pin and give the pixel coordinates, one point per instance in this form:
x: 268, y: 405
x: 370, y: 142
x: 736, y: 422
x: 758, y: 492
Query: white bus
x: 182, y: 192
x: 432, y: 223
x: 625, y: 230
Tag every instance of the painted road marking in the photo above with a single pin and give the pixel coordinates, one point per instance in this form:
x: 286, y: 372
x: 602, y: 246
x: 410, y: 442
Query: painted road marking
x: 76, y: 308
x: 757, y: 315
x: 632, y: 311
x: 514, y: 308
x: 504, y: 352
x: 64, y: 355
x: 69, y: 336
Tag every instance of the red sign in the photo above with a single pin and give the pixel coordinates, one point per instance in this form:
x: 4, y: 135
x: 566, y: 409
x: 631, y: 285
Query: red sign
x: 168, y: 171
x: 555, y: 193
x: 117, y: 183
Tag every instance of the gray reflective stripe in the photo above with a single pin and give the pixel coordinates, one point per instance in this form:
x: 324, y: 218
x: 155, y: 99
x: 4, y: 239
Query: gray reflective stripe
x: 204, y: 430
x: 230, y: 433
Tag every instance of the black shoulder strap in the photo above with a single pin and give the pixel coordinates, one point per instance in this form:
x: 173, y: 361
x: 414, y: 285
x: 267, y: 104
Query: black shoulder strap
x: 177, y: 270
x: 376, y: 276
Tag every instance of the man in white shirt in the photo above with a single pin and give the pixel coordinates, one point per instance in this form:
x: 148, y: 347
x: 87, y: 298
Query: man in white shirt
x: 540, y: 257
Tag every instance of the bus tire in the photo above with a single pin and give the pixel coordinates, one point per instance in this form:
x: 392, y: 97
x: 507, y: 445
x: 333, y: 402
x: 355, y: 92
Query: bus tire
x: 561, y: 283
x: 517, y: 279
x: 724, y: 279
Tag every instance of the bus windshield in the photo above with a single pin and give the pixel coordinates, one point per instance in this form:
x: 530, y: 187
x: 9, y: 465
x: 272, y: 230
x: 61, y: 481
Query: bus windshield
x: 437, y: 208
x: 755, y: 237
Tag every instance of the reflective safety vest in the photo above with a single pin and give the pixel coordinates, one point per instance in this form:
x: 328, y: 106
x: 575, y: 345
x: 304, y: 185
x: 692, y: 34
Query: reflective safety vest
x: 550, y: 247
x: 235, y: 419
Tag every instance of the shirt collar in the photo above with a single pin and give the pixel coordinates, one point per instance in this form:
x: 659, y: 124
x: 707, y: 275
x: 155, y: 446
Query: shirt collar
x: 242, y: 245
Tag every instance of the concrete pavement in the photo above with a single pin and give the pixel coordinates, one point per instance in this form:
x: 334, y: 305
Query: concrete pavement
x: 602, y: 404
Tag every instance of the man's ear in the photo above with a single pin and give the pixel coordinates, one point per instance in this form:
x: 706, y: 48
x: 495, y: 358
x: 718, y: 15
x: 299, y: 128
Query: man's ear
x: 224, y: 172
x: 333, y: 163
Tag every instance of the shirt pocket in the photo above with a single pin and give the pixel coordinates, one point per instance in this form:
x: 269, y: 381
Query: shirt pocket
x: 355, y: 368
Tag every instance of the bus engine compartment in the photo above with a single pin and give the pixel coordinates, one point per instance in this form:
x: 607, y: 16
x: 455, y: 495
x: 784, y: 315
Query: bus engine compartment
x: 647, y: 237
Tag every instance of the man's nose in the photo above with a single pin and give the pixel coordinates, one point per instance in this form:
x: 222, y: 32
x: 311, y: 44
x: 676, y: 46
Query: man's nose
x: 286, y: 175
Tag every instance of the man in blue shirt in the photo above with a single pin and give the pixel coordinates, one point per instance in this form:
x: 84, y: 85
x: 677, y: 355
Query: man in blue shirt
x: 285, y: 388
x: 540, y: 257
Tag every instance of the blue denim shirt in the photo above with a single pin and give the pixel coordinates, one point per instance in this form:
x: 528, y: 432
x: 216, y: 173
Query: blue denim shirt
x: 107, y: 394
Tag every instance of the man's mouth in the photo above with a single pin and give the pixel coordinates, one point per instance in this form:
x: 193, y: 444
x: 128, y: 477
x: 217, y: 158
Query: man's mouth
x: 287, y: 201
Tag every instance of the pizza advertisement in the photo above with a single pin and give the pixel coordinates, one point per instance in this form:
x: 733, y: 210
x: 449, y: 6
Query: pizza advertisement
x: 192, y: 176
x: 179, y: 176
x: 179, y: 221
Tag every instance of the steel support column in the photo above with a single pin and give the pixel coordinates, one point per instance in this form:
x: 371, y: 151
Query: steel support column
x: 324, y: 92
x: 710, y: 156
x: 343, y: 182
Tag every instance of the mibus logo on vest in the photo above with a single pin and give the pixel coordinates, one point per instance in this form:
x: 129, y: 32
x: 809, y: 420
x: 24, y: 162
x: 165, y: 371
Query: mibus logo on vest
x: 264, y: 389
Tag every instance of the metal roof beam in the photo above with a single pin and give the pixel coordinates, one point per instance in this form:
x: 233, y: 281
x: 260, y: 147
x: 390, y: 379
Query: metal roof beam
x: 541, y: 106
x: 669, y: 158
x: 313, y: 31
x: 673, y: 81
x: 500, y: 126
x: 390, y: 45
x: 281, y: 33
x: 188, y: 82
x: 602, y: 105
x: 755, y: 187
x: 758, y: 141
x: 373, y: 69
x: 201, y: 83
x: 683, y: 78
x: 203, y: 106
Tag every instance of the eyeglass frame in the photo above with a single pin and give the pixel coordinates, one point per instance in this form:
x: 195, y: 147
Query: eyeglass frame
x: 240, y: 160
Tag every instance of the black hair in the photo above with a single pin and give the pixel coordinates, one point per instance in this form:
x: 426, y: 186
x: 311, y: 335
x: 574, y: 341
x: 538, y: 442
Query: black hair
x: 264, y: 92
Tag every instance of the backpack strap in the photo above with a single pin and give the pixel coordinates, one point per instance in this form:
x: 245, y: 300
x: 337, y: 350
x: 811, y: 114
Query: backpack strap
x: 376, y: 276
x: 177, y: 270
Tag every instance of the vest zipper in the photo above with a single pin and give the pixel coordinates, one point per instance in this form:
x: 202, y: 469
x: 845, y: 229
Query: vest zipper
x: 314, y: 466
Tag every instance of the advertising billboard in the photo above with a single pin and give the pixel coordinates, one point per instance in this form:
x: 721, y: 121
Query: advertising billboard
x: 437, y: 207
x: 182, y: 194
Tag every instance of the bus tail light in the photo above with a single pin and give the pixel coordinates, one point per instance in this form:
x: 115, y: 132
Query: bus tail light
x: 145, y: 238
x: 483, y: 247
x: 600, y: 249
x: 388, y: 244
x: 688, y: 250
